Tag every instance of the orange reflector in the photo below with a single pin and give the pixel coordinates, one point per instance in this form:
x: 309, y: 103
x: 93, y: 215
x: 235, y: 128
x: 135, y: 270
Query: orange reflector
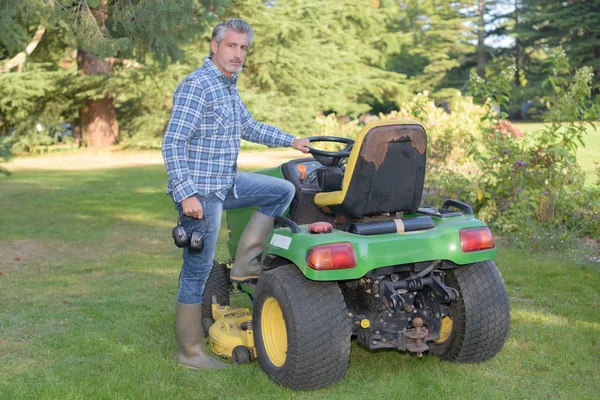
x: 475, y: 239
x: 302, y: 169
x: 331, y: 256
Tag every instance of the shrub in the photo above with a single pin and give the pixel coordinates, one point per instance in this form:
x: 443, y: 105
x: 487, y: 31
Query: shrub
x: 524, y: 186
x: 535, y: 186
x: 447, y: 133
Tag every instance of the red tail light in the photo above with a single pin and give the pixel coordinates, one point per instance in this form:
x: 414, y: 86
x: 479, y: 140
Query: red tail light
x: 331, y: 256
x: 475, y: 239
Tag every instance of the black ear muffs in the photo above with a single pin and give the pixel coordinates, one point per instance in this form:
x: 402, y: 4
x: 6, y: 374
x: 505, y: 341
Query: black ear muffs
x: 180, y: 237
x: 195, y: 241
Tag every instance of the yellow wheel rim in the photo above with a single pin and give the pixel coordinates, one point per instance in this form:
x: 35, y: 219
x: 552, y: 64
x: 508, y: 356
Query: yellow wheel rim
x: 445, y: 330
x: 274, y: 334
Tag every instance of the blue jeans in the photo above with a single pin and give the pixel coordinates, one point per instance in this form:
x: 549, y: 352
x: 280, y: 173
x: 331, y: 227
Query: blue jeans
x: 272, y: 196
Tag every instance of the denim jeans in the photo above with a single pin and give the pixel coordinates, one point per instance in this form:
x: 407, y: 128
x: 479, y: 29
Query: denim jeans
x: 272, y: 196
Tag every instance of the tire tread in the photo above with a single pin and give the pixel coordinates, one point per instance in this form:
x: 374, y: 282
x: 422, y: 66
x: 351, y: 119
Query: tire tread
x: 486, y: 313
x: 319, y: 330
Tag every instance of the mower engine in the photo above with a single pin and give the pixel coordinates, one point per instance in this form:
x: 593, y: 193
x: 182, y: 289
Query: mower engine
x: 399, y: 313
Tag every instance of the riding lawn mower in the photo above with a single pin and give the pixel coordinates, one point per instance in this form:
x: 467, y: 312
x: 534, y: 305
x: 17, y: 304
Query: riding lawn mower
x: 358, y: 257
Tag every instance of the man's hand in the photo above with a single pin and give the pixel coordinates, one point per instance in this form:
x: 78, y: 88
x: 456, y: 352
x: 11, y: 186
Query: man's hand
x: 192, y: 207
x: 301, y: 144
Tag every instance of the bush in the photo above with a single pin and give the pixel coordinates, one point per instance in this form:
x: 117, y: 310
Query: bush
x: 447, y: 133
x: 525, y: 187
x: 535, y: 187
x: 5, y: 154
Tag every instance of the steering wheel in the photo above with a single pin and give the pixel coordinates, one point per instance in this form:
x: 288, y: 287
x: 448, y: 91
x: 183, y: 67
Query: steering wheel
x: 329, y: 158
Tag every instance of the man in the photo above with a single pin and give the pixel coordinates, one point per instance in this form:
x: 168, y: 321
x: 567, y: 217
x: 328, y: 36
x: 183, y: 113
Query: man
x: 200, y: 150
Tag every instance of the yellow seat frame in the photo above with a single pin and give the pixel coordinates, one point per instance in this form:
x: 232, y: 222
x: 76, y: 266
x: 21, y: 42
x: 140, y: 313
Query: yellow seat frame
x: 327, y: 199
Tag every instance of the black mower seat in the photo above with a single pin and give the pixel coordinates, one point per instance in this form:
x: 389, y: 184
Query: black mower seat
x: 385, y: 171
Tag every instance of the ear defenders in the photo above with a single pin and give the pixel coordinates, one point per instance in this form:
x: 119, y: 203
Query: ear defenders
x: 194, y: 242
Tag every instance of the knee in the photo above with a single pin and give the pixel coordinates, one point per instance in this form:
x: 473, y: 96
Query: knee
x: 288, y: 191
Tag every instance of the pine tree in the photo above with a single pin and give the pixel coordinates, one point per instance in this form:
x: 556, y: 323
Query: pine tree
x: 318, y: 57
x: 436, y: 38
x: 104, y: 32
x: 572, y: 24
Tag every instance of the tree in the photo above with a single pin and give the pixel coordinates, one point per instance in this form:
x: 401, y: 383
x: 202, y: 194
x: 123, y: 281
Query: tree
x: 104, y: 33
x: 572, y: 24
x: 481, y: 51
x: 437, y: 36
x: 318, y: 57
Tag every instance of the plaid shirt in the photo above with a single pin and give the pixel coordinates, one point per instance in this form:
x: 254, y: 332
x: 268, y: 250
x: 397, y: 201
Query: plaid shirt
x: 202, y: 141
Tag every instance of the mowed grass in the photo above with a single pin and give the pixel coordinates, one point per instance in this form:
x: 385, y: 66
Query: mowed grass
x: 88, y: 283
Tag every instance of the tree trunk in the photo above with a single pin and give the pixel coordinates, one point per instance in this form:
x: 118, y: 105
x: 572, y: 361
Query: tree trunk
x: 98, y: 117
x: 481, y: 59
x: 517, y: 49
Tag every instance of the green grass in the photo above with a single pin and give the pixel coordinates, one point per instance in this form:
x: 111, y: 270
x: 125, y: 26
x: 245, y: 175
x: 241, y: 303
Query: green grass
x: 587, y: 156
x: 87, y: 296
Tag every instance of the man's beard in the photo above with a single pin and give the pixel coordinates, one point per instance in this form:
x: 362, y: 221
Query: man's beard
x: 229, y: 66
x: 236, y: 69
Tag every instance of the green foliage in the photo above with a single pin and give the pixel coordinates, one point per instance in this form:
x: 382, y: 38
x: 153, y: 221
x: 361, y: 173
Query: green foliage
x: 17, y: 21
x: 529, y: 187
x: 5, y: 155
x: 348, y: 58
x: 144, y: 102
x: 535, y: 186
x: 434, y: 40
x: 447, y: 133
x: 48, y: 91
x: 570, y: 24
x: 313, y: 57
x: 36, y: 97
x: 124, y: 29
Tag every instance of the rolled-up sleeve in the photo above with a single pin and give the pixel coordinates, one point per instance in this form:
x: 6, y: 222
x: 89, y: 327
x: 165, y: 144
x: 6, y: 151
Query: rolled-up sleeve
x: 188, y: 105
x: 257, y: 132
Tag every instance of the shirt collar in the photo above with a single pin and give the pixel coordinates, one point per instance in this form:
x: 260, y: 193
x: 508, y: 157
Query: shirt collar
x: 215, y: 72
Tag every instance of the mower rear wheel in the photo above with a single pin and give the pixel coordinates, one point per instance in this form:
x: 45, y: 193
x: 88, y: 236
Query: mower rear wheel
x: 301, y: 329
x: 477, y: 326
x: 218, y: 284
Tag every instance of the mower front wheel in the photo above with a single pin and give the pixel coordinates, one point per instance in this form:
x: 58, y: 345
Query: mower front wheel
x: 241, y: 355
x: 301, y: 329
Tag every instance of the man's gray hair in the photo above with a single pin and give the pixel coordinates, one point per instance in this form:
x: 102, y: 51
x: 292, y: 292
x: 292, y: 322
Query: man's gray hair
x: 235, y: 24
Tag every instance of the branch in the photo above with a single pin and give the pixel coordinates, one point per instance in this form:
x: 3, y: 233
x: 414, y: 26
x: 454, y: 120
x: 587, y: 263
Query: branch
x: 125, y: 63
x: 20, y: 58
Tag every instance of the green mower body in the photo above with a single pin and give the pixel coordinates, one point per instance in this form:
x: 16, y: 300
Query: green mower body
x: 372, y: 251
x: 357, y: 256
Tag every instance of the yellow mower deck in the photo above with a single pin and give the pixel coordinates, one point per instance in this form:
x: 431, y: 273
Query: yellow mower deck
x: 232, y: 328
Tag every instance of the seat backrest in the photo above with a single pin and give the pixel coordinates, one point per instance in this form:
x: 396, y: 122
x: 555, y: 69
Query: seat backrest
x: 385, y: 171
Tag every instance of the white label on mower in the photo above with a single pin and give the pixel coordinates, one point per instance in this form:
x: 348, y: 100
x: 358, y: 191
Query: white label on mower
x: 281, y: 241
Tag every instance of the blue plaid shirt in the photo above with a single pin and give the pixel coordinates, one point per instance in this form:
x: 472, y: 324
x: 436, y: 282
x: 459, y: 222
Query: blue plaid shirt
x: 202, y: 141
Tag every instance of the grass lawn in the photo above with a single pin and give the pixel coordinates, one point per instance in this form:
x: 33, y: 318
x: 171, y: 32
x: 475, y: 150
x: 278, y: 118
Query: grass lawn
x: 88, y: 282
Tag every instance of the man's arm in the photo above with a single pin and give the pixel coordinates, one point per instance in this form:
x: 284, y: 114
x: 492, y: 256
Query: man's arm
x: 268, y: 135
x: 188, y: 104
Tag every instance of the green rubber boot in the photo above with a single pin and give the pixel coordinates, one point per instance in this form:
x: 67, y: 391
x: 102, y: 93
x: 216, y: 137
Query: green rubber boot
x: 250, y: 247
x: 188, y: 324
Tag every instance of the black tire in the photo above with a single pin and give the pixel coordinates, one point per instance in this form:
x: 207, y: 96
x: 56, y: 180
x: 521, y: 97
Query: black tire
x: 316, y: 329
x: 241, y: 355
x: 481, y: 316
x: 217, y: 285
